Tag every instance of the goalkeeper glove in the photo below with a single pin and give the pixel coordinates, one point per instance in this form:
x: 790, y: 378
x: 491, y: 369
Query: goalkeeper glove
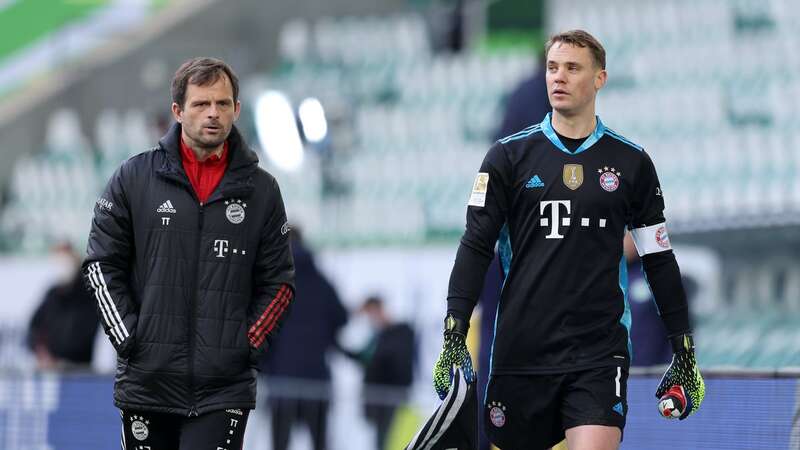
x: 454, y: 354
x: 682, y: 389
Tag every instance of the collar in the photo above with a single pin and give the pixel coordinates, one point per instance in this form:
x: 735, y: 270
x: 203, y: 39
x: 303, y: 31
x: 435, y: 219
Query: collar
x: 547, y: 129
x: 188, y: 155
x: 242, y: 161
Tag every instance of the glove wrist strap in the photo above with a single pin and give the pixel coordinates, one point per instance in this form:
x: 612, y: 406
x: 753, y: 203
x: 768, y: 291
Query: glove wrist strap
x: 682, y: 343
x: 455, y: 325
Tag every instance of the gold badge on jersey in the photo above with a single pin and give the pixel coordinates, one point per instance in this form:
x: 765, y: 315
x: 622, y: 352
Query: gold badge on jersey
x: 573, y: 176
x: 479, y: 189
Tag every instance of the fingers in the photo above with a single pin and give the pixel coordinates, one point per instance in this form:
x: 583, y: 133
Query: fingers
x: 662, y: 387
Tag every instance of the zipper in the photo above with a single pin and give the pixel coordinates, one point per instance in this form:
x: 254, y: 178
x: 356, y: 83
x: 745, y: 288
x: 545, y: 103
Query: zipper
x: 193, y: 315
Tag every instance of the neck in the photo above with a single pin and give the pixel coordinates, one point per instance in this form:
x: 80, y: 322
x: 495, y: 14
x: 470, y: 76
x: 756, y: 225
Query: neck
x: 202, y: 153
x: 574, y: 126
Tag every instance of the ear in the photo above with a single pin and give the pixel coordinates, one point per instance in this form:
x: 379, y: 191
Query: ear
x: 176, y: 112
x: 236, y: 110
x: 600, y: 80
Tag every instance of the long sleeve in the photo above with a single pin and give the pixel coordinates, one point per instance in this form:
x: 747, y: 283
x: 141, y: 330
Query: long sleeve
x: 108, y: 264
x: 649, y: 230
x: 487, y: 211
x: 273, y: 276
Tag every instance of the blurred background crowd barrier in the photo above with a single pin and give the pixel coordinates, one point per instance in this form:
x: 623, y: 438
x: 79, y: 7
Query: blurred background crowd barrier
x: 374, y: 116
x: 71, y: 412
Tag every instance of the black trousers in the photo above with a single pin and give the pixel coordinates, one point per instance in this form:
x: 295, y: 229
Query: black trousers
x: 217, y: 430
x: 285, y: 412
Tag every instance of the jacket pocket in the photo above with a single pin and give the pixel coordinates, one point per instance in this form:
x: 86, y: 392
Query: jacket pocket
x: 252, y: 352
x: 125, y: 350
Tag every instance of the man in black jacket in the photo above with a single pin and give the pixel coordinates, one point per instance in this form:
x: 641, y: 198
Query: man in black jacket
x: 189, y: 262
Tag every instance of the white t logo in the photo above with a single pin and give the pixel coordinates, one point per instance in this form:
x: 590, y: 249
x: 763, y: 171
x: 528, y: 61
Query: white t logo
x: 221, y: 247
x: 555, y: 219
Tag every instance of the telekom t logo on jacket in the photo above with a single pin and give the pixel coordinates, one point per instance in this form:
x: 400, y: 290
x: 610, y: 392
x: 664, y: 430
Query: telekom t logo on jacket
x: 221, y: 247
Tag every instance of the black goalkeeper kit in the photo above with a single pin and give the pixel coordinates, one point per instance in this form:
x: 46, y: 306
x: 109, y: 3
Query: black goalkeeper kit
x: 560, y: 216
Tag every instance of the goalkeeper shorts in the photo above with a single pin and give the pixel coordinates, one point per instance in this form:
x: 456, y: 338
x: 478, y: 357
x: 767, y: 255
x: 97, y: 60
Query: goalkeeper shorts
x: 534, y: 411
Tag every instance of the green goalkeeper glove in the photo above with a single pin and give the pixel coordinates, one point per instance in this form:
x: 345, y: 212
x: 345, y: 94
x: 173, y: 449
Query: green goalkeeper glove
x: 682, y: 389
x: 454, y: 354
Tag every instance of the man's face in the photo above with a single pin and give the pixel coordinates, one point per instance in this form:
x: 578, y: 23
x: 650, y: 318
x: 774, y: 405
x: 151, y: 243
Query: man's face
x: 573, y: 78
x: 207, y: 114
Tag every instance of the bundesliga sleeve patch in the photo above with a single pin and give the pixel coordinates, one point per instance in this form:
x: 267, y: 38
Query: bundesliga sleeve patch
x: 479, y: 188
x: 652, y: 239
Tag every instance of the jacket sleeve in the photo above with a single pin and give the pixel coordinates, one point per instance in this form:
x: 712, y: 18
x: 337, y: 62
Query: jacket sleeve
x: 106, y: 269
x: 273, y: 275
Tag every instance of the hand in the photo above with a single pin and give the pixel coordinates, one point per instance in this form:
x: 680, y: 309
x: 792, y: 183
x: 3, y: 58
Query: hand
x: 454, y: 354
x: 682, y: 388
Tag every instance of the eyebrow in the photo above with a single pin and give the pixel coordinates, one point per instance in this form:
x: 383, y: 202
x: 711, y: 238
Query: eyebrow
x: 201, y: 101
x: 550, y: 61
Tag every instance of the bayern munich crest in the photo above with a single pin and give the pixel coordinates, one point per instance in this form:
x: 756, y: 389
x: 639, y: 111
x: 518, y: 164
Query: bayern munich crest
x: 609, y: 178
x: 662, y: 238
x: 235, y: 211
x: 139, y: 428
x: 497, y: 414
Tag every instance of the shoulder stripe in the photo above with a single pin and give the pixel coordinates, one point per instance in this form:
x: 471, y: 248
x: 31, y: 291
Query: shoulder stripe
x: 524, y: 130
x: 623, y: 139
x: 522, y: 134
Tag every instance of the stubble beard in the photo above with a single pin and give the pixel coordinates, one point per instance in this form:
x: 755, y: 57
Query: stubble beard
x: 206, y: 146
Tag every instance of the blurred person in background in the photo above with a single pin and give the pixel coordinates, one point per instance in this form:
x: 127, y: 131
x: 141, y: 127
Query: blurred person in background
x: 297, y: 362
x: 490, y: 296
x: 189, y: 259
x: 388, y: 361
x: 559, y: 196
x: 649, y: 340
x: 62, y: 330
x: 526, y: 104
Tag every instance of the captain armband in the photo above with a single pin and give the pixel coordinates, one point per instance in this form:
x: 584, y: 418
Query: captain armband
x: 652, y: 239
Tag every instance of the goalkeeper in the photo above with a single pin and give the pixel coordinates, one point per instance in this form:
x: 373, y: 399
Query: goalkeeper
x: 559, y: 197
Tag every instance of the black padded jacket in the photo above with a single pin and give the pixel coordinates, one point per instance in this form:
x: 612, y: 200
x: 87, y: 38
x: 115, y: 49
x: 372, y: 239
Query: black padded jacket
x: 189, y: 293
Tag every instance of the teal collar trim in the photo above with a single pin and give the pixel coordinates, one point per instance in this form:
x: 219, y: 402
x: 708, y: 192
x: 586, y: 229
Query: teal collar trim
x: 548, y: 130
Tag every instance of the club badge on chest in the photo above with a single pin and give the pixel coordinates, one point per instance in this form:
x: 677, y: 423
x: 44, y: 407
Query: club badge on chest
x: 609, y: 178
x: 235, y: 211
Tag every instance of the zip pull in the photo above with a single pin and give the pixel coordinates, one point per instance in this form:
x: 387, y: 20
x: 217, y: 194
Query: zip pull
x: 193, y: 412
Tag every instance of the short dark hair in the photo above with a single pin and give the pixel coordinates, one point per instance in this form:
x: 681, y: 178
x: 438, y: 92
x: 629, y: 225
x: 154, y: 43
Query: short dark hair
x: 201, y: 72
x: 579, y: 38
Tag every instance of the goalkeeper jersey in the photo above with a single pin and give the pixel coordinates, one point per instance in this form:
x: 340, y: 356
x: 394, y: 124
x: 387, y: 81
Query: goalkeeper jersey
x: 559, y: 217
